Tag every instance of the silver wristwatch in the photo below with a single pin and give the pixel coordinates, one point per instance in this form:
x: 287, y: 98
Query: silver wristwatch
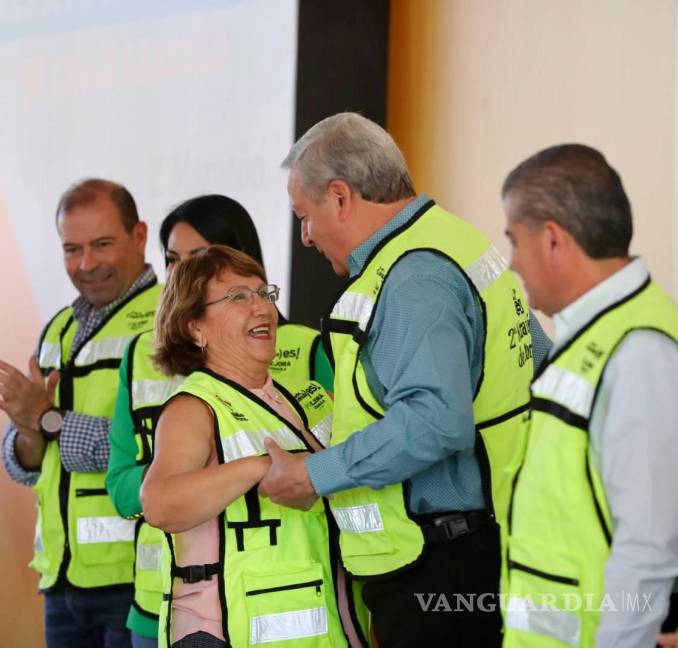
x: 51, y: 422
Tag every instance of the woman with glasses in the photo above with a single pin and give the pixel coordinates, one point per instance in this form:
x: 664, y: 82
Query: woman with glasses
x: 190, y: 227
x: 264, y: 570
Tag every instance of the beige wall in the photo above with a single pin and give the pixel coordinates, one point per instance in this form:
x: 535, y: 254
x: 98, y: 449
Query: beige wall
x: 20, y: 604
x: 475, y: 86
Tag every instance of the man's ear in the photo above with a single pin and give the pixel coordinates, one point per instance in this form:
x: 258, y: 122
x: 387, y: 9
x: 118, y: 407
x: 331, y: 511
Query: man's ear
x: 339, y: 192
x: 140, y: 234
x: 558, y: 242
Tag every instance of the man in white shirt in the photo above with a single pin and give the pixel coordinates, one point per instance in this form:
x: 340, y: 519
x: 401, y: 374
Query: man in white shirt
x: 593, y: 544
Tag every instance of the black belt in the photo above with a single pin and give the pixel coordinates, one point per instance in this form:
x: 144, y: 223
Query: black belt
x: 440, y: 527
x: 196, y: 573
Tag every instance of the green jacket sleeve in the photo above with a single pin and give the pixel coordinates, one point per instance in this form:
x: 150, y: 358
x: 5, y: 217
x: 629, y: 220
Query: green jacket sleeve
x: 322, y: 369
x: 124, y: 477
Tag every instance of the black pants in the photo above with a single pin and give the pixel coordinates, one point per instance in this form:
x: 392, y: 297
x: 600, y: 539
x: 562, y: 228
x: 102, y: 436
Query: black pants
x: 449, y: 599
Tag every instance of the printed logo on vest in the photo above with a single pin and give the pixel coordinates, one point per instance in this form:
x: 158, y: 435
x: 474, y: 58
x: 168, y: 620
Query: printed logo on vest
x: 284, y: 357
x: 380, y: 276
x: 238, y: 416
x: 519, y: 338
x: 518, y: 303
x: 138, y: 319
x: 315, y: 393
x: 594, y: 353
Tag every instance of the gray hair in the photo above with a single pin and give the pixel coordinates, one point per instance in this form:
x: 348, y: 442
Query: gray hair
x: 350, y: 147
x: 573, y: 185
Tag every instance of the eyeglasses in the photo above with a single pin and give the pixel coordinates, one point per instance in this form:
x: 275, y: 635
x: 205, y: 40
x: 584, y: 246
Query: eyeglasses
x: 243, y: 294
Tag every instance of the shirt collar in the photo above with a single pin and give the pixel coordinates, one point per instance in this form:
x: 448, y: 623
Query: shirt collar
x: 581, y: 311
x: 359, y: 256
x: 82, y: 309
x: 267, y: 390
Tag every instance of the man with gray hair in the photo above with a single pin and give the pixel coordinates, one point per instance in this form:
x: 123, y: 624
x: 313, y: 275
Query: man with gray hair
x: 593, y: 531
x: 432, y: 349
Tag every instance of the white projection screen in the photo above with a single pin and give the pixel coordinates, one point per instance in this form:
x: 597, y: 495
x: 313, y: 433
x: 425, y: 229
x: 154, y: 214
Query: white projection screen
x: 170, y: 98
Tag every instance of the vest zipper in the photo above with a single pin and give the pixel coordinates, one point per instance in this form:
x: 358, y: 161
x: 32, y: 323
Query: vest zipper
x: 545, y: 575
x: 316, y: 583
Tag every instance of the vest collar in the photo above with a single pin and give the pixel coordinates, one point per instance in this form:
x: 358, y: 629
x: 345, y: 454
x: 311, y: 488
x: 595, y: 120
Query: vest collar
x: 615, y: 288
x: 359, y: 257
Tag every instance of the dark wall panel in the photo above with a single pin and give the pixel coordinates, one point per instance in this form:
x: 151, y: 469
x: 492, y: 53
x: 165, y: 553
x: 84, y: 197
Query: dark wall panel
x: 342, y: 63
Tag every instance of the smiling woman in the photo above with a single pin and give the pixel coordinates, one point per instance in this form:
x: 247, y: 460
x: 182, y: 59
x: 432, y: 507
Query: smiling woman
x: 217, y: 323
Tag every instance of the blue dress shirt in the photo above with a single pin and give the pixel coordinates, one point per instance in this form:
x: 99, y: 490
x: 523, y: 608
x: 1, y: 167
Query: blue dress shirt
x: 423, y: 359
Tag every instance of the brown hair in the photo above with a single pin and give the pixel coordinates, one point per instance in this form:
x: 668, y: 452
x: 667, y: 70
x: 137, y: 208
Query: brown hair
x: 88, y: 192
x: 183, y: 300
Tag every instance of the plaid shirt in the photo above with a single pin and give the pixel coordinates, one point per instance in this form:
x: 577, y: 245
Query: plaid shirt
x: 84, y: 440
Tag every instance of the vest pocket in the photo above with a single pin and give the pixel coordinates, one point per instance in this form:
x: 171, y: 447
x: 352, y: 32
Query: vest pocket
x: 286, y: 605
x: 545, y: 596
x: 100, y: 536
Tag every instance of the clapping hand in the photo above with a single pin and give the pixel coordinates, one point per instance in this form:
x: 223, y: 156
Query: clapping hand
x: 25, y: 398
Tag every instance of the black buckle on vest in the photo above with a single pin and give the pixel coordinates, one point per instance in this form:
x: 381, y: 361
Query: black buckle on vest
x: 196, y: 573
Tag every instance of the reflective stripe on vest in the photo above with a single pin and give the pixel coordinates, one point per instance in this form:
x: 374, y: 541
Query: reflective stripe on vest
x: 105, y: 529
x: 323, y: 430
x: 154, y: 391
x: 50, y: 355
x: 566, y: 388
x: 524, y: 615
x: 286, y: 626
x: 95, y: 350
x: 358, y: 519
x: 487, y: 269
x: 148, y: 557
x: 251, y: 443
x: 355, y: 307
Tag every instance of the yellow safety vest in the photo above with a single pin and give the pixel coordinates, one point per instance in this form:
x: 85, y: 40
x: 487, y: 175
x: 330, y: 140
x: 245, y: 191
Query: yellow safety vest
x: 149, y: 389
x: 378, y: 534
x: 79, y: 535
x: 560, y: 527
x: 276, y: 574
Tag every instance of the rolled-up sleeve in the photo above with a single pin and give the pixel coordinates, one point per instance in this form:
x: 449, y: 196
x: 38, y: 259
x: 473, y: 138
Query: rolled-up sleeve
x: 14, y: 468
x: 84, y: 443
